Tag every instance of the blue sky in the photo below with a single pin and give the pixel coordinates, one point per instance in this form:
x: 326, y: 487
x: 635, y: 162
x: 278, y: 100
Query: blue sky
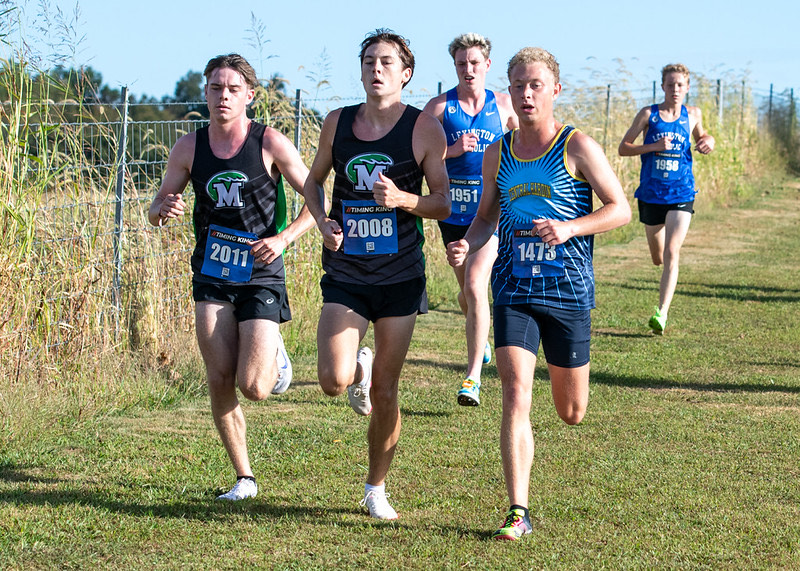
x: 148, y: 45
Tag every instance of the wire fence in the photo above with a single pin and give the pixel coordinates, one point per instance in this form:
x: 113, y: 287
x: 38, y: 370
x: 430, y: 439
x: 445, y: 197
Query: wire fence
x: 86, y: 272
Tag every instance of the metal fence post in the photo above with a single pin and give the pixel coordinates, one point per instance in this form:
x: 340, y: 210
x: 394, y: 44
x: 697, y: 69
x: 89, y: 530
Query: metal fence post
x: 654, y: 92
x: 769, y: 109
x: 298, y: 132
x: 719, y: 100
x: 122, y: 147
x: 608, y: 112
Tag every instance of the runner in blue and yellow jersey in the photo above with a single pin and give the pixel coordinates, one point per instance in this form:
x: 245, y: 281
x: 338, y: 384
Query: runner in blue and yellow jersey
x: 380, y: 151
x: 236, y: 167
x: 666, y: 184
x: 473, y: 118
x: 538, y: 184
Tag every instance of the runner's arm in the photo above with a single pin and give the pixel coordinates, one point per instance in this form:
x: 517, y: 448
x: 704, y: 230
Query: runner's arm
x: 704, y: 142
x: 586, y: 159
x: 485, y: 221
x: 628, y: 146
x: 168, y: 201
x: 314, y: 189
x: 429, y: 145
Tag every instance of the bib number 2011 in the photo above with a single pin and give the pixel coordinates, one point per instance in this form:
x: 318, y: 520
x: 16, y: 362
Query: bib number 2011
x: 228, y: 254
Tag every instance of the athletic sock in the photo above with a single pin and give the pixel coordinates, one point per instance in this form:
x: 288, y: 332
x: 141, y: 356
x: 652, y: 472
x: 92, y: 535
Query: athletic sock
x: 523, y: 508
x: 377, y: 489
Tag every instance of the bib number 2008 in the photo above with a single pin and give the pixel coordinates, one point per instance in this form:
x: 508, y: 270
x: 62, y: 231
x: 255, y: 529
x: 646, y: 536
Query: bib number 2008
x: 369, y: 229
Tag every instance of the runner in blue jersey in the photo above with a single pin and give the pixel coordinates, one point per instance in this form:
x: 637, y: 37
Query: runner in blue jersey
x: 236, y: 167
x: 666, y: 184
x: 380, y: 152
x: 473, y: 118
x: 538, y: 182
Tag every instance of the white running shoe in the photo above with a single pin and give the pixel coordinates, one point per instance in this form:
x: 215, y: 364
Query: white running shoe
x: 244, y: 488
x: 284, y: 369
x: 378, y: 505
x: 358, y: 393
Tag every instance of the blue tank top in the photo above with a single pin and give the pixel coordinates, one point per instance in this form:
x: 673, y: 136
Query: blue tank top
x: 527, y: 271
x: 466, y: 182
x: 666, y: 176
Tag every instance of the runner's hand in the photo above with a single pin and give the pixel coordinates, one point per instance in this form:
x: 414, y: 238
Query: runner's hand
x: 457, y: 252
x: 267, y: 250
x: 332, y: 236
x: 386, y: 193
x: 553, y: 232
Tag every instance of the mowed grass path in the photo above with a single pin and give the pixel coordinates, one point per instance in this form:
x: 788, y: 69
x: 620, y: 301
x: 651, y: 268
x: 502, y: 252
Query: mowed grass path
x: 689, y: 456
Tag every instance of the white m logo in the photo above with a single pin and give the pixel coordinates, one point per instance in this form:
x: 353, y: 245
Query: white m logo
x: 365, y: 169
x: 225, y: 188
x: 229, y: 194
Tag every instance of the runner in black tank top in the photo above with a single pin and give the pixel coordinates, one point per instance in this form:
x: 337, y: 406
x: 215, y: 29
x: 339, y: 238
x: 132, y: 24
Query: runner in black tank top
x: 236, y: 167
x: 373, y: 244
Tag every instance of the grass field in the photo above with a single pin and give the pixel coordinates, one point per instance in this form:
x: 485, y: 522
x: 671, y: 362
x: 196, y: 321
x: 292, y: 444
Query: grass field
x: 689, y: 456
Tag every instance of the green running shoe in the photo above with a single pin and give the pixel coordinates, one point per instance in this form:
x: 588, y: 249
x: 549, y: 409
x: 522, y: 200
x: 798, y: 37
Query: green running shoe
x: 515, y: 526
x: 470, y: 393
x: 658, y: 322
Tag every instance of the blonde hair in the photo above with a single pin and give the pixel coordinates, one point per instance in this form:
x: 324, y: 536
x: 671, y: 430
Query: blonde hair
x: 674, y: 68
x: 534, y: 55
x: 470, y: 40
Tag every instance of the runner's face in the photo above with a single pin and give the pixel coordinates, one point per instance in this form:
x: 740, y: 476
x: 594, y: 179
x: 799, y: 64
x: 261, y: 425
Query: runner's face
x: 676, y: 87
x: 471, y: 67
x: 382, y: 71
x: 533, y: 91
x: 227, y: 94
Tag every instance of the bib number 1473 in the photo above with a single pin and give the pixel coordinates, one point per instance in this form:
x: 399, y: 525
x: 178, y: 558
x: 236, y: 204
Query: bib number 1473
x: 533, y: 258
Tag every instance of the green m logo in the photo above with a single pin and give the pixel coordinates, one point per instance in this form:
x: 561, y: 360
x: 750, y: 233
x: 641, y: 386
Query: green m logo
x: 225, y: 188
x: 363, y: 170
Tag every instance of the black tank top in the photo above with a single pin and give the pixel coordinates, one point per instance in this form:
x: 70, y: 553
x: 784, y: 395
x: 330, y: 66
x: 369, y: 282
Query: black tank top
x: 236, y: 193
x: 356, y: 165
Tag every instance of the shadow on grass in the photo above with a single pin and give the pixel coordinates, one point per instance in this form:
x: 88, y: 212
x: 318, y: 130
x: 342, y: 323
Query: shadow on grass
x: 604, y: 378
x: 733, y: 292
x: 11, y: 473
x: 207, y: 509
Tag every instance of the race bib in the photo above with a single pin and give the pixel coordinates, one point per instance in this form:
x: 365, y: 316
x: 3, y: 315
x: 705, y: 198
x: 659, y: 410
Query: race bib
x: 369, y: 229
x: 465, y: 194
x: 533, y: 258
x: 228, y: 254
x: 666, y: 165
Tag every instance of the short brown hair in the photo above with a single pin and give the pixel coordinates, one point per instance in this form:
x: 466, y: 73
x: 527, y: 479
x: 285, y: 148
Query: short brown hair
x: 674, y: 68
x: 534, y: 55
x: 236, y: 63
x: 470, y: 40
x: 399, y: 42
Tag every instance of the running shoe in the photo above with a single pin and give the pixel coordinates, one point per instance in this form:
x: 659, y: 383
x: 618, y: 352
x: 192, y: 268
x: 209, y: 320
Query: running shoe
x: 244, y: 488
x: 487, y: 354
x: 515, y: 526
x: 284, y: 369
x: 470, y: 393
x: 358, y: 393
x: 378, y: 505
x: 658, y: 322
